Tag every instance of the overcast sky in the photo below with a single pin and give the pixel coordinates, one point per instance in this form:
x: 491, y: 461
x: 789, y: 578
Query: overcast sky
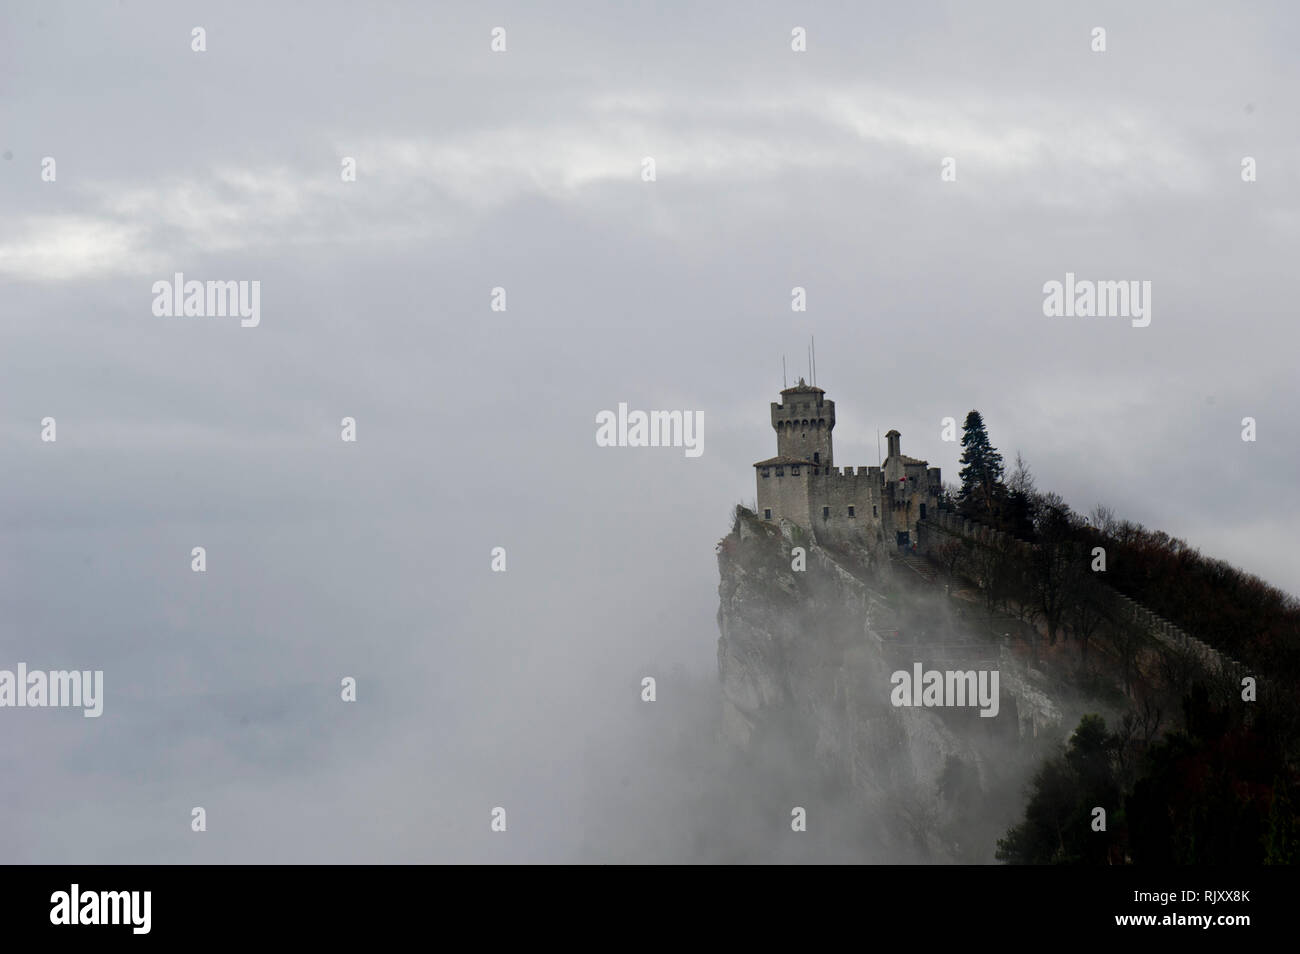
x: 475, y: 428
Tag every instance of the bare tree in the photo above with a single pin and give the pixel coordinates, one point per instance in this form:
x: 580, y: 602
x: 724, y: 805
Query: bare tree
x: 1053, y: 564
x: 1179, y: 665
x: 1085, y: 613
x: 1136, y: 731
x: 949, y: 494
x: 1149, y: 718
x: 949, y: 554
x: 1129, y: 637
x: 994, y: 566
x: 1021, y: 480
x: 1103, y: 519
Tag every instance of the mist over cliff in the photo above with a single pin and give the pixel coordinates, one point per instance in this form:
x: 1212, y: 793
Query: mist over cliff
x: 805, y: 661
x: 386, y: 177
x: 798, y: 721
x: 800, y: 751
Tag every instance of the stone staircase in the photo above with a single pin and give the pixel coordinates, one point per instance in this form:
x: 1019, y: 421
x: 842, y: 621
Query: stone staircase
x: 909, y: 563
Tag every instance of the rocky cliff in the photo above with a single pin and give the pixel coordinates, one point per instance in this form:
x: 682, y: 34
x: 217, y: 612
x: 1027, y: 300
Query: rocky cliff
x: 805, y: 659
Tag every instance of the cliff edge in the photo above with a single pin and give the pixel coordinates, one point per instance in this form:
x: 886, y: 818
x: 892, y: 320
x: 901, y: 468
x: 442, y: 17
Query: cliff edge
x: 811, y: 637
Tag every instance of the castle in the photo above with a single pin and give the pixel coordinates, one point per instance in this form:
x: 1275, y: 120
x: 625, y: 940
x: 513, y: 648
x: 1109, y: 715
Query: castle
x: 802, y: 484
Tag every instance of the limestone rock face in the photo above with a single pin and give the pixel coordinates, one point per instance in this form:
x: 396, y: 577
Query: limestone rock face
x: 804, y: 662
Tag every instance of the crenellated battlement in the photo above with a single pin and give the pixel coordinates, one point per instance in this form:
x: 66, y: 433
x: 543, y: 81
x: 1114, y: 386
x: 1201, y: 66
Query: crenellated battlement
x: 803, y: 422
x: 945, y: 525
x: 874, y: 502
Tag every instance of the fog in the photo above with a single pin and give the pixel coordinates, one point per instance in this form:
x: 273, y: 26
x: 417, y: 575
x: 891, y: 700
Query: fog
x: 475, y: 428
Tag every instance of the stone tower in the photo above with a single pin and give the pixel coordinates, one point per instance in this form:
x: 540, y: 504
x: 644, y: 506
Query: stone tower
x: 801, y: 483
x: 803, y: 422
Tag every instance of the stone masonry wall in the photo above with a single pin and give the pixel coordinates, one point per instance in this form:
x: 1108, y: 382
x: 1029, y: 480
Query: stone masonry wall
x: 945, y: 525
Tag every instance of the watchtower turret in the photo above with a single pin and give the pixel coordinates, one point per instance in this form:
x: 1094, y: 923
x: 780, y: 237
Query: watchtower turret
x: 803, y: 422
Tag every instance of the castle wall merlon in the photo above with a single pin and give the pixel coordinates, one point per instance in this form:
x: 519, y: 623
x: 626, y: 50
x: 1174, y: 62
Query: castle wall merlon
x: 843, y: 502
x: 804, y: 409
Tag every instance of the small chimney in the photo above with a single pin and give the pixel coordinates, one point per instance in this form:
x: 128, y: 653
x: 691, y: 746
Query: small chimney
x: 893, y: 437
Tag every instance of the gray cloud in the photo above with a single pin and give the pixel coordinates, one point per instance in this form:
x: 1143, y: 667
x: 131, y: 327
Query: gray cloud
x: 476, y: 427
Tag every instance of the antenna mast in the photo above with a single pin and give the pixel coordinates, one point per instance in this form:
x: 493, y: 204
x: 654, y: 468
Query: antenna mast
x: 814, y: 359
x: 784, y: 383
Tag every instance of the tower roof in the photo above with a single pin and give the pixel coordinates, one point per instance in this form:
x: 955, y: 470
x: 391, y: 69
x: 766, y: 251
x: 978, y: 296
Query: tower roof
x: 803, y: 388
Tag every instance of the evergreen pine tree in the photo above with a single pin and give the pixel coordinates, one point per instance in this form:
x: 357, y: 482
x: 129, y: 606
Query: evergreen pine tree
x: 981, y: 472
